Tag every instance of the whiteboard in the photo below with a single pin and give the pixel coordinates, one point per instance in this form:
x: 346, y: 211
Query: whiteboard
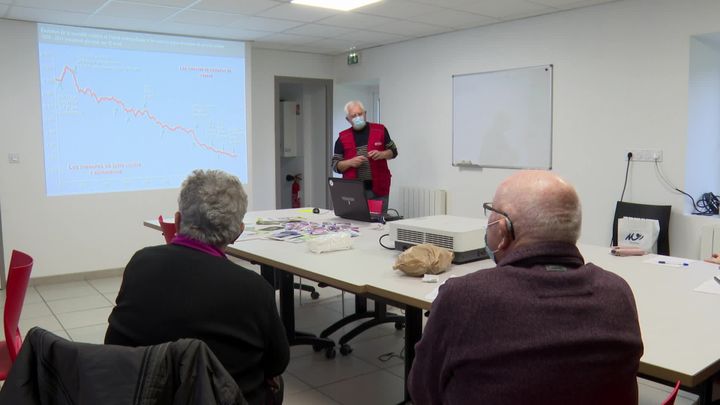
x: 503, y: 118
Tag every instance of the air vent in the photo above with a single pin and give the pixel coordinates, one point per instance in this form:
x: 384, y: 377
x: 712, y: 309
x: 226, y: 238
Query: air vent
x: 414, y: 237
x: 442, y: 241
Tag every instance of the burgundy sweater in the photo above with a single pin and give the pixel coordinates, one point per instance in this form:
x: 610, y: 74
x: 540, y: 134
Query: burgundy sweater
x: 541, y: 328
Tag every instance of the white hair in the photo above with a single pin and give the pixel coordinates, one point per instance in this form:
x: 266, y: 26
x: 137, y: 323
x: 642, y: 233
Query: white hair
x: 212, y: 205
x: 352, y: 103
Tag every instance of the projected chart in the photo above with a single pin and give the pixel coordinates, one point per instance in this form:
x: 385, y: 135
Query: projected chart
x: 130, y: 111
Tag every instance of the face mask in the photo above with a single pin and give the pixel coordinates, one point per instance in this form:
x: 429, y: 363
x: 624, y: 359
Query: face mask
x: 490, y: 252
x: 358, y: 123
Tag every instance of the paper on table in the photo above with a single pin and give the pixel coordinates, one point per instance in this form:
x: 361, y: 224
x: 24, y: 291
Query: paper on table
x: 709, y: 287
x: 434, y: 293
x: 669, y: 261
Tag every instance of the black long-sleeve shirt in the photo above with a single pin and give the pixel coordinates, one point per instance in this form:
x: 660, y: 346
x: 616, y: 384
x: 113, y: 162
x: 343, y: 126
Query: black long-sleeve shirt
x: 170, y: 292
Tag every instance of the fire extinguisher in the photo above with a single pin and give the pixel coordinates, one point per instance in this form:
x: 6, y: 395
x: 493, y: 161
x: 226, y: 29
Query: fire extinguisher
x: 295, y: 188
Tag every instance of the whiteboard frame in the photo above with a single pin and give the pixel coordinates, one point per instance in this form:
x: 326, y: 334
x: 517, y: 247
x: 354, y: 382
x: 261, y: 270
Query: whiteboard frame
x: 543, y: 164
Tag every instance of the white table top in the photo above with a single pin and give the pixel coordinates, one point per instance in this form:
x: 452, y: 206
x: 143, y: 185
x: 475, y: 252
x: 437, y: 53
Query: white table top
x: 679, y: 326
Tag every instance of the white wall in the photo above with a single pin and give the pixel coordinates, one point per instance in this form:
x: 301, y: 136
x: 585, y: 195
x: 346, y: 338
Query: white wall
x: 101, y: 231
x: 266, y: 64
x: 620, y: 82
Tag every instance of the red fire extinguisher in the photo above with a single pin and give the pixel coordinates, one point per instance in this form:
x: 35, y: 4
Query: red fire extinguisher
x: 295, y: 188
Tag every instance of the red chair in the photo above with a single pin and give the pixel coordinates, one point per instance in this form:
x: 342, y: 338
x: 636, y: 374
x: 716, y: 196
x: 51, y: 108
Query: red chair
x: 670, y: 400
x: 17, y: 282
x: 168, y: 229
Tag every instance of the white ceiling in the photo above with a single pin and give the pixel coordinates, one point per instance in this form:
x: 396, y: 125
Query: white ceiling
x: 277, y: 24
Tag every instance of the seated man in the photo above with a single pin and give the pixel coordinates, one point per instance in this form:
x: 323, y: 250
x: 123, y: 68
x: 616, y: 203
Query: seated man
x: 542, y: 327
x: 189, y: 289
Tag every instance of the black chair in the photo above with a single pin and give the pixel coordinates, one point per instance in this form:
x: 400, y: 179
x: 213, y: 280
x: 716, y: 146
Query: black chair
x: 659, y: 212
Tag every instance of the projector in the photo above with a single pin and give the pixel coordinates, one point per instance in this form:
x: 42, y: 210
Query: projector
x: 465, y: 237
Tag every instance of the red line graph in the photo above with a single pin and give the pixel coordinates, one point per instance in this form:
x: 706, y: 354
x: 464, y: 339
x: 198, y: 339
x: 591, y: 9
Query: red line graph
x: 139, y: 113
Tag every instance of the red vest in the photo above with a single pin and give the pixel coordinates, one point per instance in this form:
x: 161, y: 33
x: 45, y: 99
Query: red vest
x: 379, y: 168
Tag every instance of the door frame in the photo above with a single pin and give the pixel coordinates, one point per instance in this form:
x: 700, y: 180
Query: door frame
x: 328, y: 84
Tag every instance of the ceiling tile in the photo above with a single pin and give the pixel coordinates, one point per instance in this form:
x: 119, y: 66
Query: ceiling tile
x: 137, y: 11
x: 170, y: 3
x: 296, y: 12
x: 411, y: 29
x: 209, y: 31
x: 570, y: 4
x: 248, y: 7
x: 79, y: 6
x: 372, y: 37
x: 263, y: 24
x: 317, y: 30
x: 455, y: 19
x: 289, y: 39
x: 401, y: 9
x: 189, y: 16
x: 502, y: 9
x: 354, y: 20
x: 46, y: 16
x: 119, y: 23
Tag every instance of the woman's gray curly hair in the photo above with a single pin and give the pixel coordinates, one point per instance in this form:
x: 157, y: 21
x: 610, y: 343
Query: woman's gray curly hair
x: 212, y: 205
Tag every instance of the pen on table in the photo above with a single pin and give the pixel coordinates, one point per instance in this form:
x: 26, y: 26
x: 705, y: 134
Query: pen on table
x: 673, y: 263
x: 717, y: 279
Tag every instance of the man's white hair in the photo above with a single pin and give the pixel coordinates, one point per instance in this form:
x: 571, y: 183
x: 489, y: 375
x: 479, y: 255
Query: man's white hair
x: 351, y: 104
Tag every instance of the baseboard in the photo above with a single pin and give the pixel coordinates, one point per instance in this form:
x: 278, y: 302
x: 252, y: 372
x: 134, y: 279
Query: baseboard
x: 64, y: 278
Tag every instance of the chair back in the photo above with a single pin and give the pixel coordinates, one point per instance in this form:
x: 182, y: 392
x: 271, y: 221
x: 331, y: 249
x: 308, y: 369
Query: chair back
x: 659, y: 212
x: 670, y: 400
x: 168, y: 229
x: 18, y: 278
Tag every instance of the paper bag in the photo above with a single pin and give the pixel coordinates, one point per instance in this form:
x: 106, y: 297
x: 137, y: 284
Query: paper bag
x: 424, y: 258
x: 641, y: 233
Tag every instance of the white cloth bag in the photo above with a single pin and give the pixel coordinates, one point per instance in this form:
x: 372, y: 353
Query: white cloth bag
x: 639, y: 233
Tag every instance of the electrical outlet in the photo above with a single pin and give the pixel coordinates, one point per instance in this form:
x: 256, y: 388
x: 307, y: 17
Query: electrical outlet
x: 14, y: 157
x: 645, y: 155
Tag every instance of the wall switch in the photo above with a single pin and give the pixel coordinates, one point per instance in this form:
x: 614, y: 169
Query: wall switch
x: 14, y: 157
x: 645, y: 155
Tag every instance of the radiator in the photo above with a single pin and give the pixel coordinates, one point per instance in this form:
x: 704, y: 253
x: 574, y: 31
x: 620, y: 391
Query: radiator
x: 420, y: 202
x: 709, y: 240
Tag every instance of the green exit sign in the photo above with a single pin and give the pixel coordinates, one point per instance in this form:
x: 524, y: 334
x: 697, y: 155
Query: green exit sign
x: 353, y: 58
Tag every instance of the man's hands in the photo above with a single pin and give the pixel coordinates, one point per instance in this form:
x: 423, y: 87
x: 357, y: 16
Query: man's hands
x: 714, y: 259
x: 377, y: 155
x: 357, y: 161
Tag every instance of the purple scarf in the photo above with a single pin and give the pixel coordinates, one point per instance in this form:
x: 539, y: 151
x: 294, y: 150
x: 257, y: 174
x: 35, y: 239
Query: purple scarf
x: 182, y: 240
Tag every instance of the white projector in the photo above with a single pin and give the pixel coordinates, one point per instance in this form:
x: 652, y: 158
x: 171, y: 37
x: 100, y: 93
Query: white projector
x: 465, y: 237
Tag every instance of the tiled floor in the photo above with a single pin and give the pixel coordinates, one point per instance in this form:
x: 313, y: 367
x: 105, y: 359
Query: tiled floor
x: 371, y: 374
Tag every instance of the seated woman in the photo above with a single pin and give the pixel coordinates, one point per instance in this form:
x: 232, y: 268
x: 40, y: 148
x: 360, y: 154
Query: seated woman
x: 189, y: 289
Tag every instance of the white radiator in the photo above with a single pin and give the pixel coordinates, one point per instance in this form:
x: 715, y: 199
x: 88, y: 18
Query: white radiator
x: 420, y: 202
x: 709, y: 240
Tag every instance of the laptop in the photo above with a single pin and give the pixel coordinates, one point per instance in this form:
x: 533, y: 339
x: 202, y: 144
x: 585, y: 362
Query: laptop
x: 349, y: 201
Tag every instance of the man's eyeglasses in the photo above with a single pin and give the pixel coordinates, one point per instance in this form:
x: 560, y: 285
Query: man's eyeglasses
x: 488, y: 207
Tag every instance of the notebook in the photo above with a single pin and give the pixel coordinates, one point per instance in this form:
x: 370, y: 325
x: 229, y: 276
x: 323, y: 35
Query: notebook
x: 349, y: 201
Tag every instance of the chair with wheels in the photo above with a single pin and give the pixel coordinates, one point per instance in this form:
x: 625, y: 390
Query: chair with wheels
x: 168, y: 229
x: 659, y: 212
x: 378, y: 316
x: 18, y: 277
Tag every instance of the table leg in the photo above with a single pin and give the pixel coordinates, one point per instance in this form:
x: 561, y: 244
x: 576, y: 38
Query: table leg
x: 413, y: 332
x: 284, y: 282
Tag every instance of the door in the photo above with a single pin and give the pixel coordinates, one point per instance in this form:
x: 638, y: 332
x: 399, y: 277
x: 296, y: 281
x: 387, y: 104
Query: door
x: 303, y: 126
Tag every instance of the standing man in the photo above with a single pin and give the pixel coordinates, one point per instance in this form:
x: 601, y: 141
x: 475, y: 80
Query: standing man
x: 542, y: 327
x: 362, y: 152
